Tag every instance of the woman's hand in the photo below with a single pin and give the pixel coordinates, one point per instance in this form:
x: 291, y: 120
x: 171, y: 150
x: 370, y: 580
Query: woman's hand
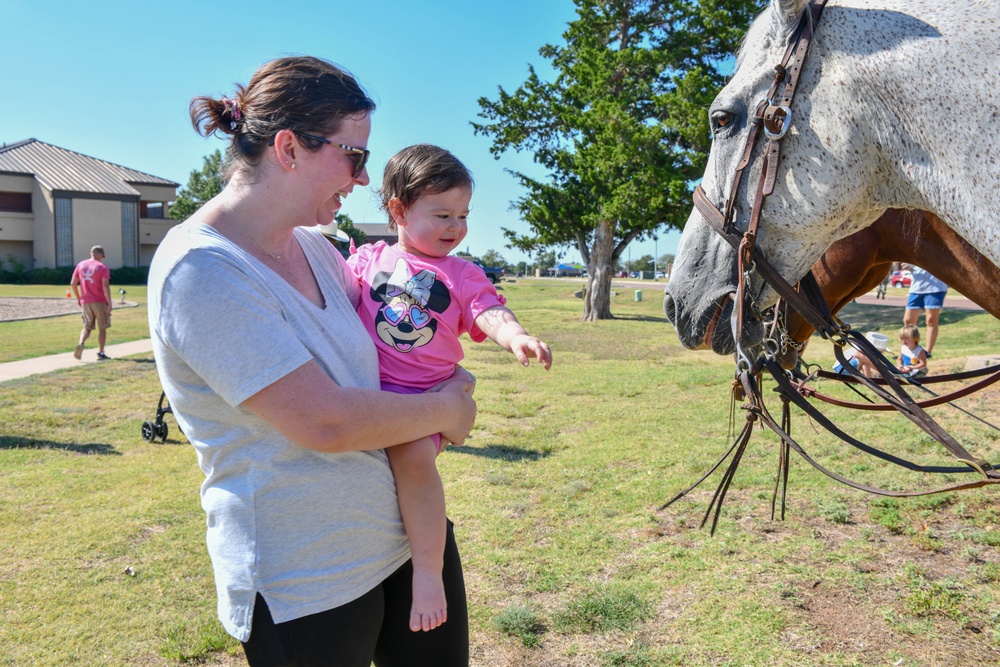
x: 459, y: 389
x: 460, y: 376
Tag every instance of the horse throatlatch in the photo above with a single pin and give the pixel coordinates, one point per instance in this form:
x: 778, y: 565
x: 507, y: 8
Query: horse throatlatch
x: 807, y: 299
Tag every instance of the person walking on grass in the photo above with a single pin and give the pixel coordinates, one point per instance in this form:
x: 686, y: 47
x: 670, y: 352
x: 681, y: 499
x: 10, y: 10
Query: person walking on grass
x: 416, y: 300
x: 91, y: 285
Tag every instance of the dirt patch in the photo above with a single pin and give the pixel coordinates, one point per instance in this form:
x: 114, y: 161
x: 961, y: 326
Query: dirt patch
x: 14, y: 308
x: 842, y: 621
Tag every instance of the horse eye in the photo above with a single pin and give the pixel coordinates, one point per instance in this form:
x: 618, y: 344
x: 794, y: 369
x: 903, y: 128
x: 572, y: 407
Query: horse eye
x: 721, y: 120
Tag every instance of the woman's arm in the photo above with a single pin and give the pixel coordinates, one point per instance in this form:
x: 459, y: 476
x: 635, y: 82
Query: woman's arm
x: 500, y: 324
x: 310, y: 409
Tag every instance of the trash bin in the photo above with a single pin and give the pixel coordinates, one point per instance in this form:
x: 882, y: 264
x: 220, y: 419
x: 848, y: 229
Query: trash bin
x: 638, y: 295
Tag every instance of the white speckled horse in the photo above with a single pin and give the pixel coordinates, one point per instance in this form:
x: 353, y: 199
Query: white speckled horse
x: 898, y: 106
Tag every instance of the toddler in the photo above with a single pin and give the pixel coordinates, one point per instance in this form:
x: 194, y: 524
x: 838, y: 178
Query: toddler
x: 912, y: 357
x: 416, y: 301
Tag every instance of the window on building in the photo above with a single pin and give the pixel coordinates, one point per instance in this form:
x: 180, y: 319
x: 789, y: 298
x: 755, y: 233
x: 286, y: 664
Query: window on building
x: 130, y: 235
x: 16, y: 202
x: 64, y: 231
x: 151, y: 209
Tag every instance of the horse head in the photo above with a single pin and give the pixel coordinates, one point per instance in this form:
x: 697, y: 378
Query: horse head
x: 813, y: 201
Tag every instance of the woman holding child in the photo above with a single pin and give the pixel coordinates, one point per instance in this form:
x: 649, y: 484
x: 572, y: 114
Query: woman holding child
x: 275, y: 381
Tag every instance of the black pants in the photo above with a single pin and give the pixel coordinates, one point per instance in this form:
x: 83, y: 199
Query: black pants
x: 375, y: 627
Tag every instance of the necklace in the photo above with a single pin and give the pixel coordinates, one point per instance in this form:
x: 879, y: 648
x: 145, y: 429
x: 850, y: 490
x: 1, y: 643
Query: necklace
x: 262, y: 249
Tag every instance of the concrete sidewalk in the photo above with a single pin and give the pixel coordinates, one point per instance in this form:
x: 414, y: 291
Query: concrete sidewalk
x: 13, y: 370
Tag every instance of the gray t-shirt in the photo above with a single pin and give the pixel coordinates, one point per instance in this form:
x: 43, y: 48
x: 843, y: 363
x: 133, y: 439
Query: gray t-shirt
x: 308, y: 530
x: 925, y: 283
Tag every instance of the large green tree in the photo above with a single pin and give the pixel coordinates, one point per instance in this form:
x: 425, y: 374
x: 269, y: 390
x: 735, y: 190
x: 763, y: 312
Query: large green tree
x: 346, y: 225
x: 202, y: 186
x: 622, y: 130
x: 493, y: 258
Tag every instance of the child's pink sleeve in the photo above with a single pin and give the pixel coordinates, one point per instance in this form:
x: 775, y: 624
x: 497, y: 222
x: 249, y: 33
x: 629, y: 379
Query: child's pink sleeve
x: 478, y: 295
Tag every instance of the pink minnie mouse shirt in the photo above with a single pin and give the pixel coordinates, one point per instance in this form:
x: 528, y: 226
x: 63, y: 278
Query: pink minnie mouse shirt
x: 415, y: 309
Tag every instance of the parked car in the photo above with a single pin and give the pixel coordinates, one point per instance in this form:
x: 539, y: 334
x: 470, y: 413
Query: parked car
x: 494, y: 273
x: 901, y: 278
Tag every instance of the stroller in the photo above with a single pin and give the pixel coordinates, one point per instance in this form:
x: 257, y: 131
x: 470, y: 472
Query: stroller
x: 151, y: 430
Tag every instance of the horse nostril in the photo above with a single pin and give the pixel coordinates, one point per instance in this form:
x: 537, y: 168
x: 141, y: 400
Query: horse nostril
x: 670, y: 308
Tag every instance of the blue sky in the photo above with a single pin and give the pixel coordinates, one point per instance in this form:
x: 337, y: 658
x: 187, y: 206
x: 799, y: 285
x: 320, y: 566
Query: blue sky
x: 113, y: 80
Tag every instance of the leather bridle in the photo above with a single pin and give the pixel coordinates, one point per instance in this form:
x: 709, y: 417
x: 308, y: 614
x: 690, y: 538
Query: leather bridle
x: 772, y: 121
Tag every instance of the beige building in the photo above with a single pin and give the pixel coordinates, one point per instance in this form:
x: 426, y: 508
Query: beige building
x: 377, y: 231
x: 55, y: 204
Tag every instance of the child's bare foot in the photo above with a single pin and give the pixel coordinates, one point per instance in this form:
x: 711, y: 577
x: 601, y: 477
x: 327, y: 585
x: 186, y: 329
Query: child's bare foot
x: 429, y: 608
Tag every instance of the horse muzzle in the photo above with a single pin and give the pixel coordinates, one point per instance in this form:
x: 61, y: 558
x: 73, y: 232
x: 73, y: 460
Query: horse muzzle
x: 709, y: 327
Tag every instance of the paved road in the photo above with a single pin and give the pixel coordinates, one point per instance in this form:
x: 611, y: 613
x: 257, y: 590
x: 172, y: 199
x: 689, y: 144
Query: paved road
x: 951, y: 302
x: 895, y: 297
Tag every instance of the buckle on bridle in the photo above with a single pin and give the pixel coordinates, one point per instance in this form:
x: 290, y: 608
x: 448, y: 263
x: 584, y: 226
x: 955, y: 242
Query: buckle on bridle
x: 777, y: 119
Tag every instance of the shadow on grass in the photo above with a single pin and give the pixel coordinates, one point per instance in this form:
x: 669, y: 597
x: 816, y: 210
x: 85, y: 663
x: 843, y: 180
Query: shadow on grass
x: 642, y: 318
x: 500, y: 452
x: 867, y: 317
x: 12, y: 442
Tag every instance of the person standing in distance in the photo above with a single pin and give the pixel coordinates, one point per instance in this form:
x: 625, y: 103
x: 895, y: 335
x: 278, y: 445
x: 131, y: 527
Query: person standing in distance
x: 91, y: 285
x: 927, y: 293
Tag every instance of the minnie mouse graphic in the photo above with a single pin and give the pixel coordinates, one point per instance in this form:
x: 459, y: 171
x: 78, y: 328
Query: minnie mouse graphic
x: 405, y: 321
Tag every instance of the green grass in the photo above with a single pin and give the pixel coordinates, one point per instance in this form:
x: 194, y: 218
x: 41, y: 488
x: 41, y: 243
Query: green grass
x: 556, y: 497
x: 52, y: 335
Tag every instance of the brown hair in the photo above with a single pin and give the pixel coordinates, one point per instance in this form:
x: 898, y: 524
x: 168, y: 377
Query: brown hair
x: 909, y: 332
x: 422, y: 169
x: 299, y: 93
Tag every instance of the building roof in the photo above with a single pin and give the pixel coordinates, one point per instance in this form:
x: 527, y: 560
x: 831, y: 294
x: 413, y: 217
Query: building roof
x: 59, y: 169
x: 374, y: 228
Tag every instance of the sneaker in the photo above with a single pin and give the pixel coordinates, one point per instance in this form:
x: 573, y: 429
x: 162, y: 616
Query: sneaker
x: 78, y: 352
x: 101, y: 355
x: 928, y: 355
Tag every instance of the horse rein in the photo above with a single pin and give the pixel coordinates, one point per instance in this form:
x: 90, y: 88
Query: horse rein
x: 807, y: 299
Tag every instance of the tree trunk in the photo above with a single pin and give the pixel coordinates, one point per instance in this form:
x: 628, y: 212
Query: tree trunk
x: 600, y: 271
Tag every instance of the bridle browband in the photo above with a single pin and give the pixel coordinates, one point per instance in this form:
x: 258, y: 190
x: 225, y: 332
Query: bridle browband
x: 773, y: 121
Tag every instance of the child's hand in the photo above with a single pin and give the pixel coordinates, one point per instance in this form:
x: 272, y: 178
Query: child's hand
x: 524, y: 347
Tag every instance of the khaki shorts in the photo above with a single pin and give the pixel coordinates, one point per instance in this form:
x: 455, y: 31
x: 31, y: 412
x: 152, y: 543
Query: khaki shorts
x: 96, y: 314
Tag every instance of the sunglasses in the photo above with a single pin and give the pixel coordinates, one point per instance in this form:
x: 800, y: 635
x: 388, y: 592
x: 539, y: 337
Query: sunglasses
x: 398, y: 311
x: 361, y: 155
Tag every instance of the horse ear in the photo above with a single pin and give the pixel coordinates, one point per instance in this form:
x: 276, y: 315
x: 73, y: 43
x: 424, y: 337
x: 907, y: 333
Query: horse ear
x: 790, y: 9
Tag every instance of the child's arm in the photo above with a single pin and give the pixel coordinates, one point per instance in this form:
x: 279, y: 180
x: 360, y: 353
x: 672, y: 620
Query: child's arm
x: 500, y: 324
x: 919, y: 362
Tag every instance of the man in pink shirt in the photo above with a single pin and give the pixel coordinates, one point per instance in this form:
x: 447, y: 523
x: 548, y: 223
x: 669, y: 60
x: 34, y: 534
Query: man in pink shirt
x: 91, y: 284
